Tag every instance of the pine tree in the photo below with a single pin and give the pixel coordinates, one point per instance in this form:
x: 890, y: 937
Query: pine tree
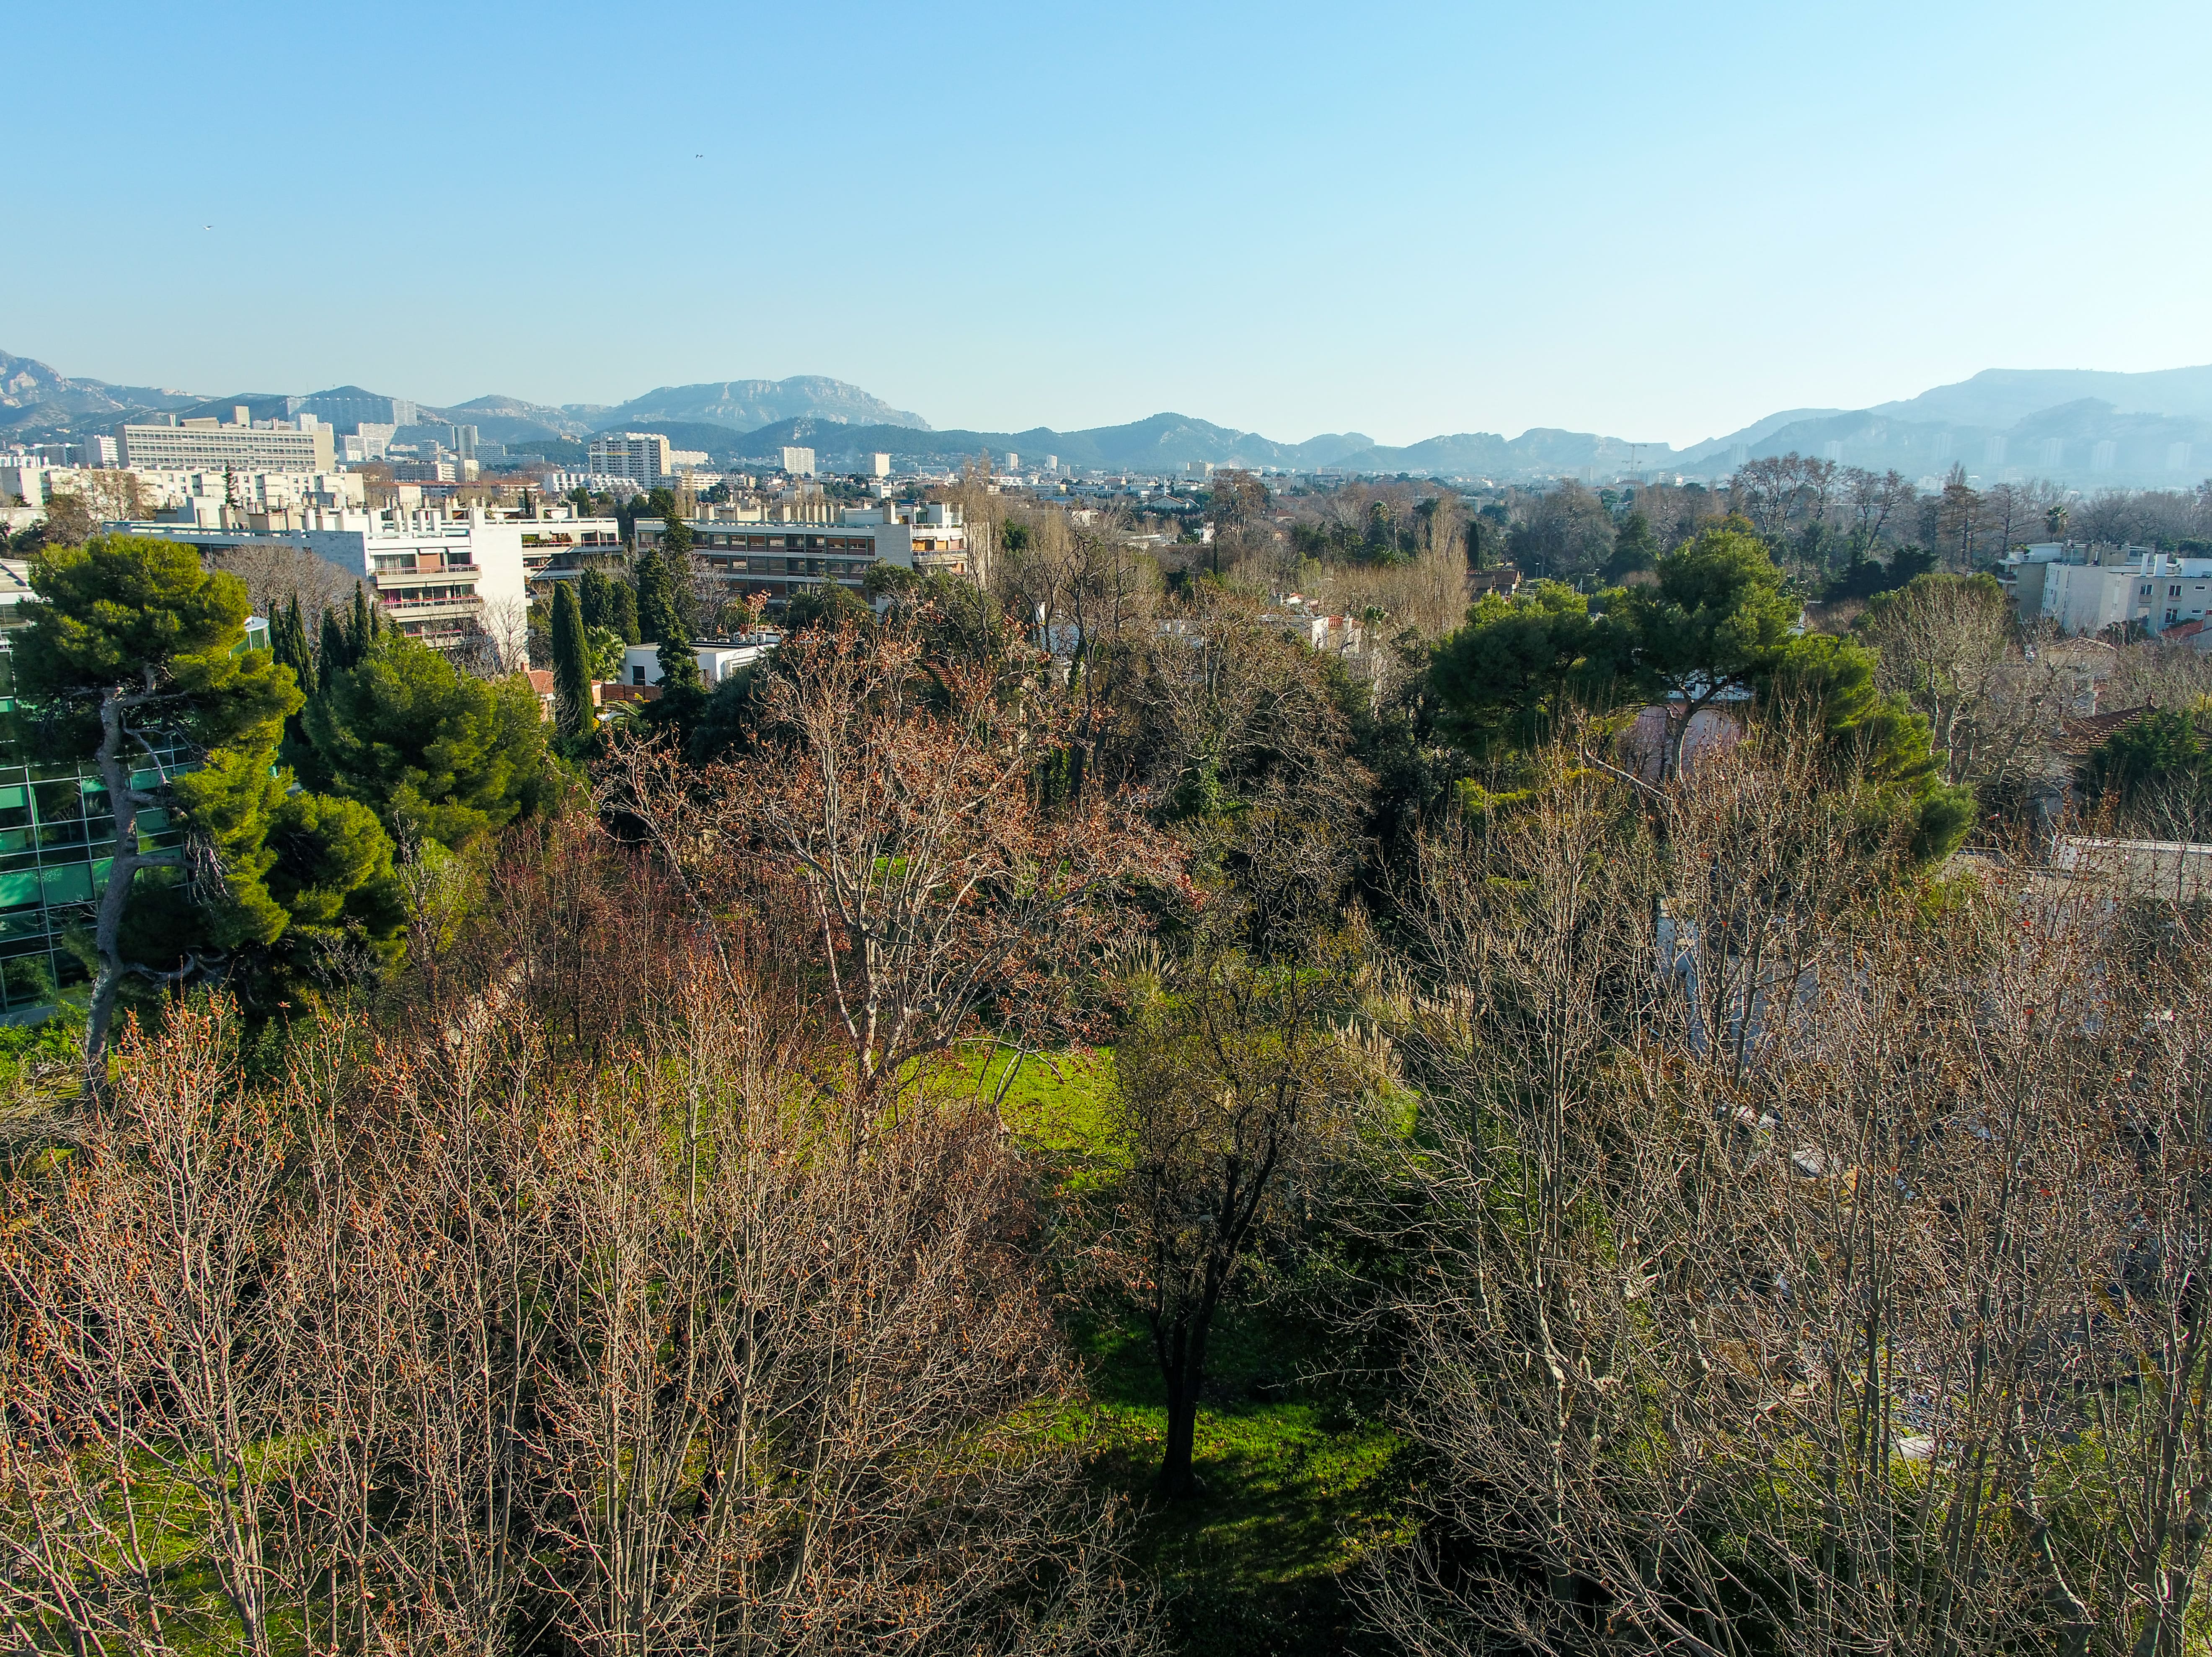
x: 129, y: 632
x: 434, y: 752
x: 572, y: 671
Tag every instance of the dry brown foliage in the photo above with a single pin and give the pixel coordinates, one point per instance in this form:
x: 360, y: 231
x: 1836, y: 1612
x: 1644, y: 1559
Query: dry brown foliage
x: 1816, y: 1272
x: 532, y: 1321
x: 900, y: 808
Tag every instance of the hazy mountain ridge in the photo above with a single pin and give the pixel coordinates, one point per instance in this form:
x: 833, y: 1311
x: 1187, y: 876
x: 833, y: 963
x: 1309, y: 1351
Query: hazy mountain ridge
x: 1159, y: 443
x: 748, y: 404
x: 28, y: 389
x: 2078, y: 426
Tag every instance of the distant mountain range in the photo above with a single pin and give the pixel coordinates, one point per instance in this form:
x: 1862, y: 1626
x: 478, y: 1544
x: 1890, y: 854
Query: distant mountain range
x: 27, y: 386
x: 2081, y: 427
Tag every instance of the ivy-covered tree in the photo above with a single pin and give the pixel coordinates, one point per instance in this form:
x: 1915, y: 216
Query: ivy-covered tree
x: 661, y: 614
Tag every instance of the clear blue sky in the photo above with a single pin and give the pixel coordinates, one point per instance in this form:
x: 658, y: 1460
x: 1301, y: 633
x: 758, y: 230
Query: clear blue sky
x: 1658, y: 221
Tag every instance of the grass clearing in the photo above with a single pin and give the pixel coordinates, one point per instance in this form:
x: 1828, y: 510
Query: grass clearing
x: 1301, y: 1480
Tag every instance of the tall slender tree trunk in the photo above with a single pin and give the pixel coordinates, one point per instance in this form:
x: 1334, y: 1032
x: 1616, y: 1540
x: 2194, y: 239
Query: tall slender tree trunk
x: 123, y: 803
x: 1182, y: 1367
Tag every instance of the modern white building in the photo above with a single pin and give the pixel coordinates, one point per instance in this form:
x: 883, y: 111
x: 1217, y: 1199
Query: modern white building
x: 879, y: 465
x: 641, y: 456
x: 718, y: 659
x: 241, y: 445
x: 2080, y: 589
x: 799, y: 463
x: 439, y: 577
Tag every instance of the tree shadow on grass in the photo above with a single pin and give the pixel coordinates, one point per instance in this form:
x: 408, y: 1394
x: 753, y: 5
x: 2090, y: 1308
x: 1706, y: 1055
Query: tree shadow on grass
x: 1299, y: 1485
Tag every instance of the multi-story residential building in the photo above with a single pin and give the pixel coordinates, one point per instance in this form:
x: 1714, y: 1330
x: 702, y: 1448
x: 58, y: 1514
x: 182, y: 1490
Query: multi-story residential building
x: 213, y: 446
x: 799, y: 463
x: 24, y: 478
x: 786, y: 549
x: 433, y: 471
x: 556, y: 484
x: 557, y: 544
x: 2086, y: 589
x: 641, y: 456
x: 442, y: 578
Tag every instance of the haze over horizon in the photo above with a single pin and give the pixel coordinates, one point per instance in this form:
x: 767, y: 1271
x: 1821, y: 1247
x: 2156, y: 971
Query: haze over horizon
x: 1660, y: 226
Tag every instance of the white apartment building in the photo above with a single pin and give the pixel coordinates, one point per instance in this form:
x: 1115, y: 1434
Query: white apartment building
x: 24, y: 478
x: 239, y: 445
x: 641, y: 456
x: 439, y: 577
x: 2086, y: 590
x: 555, y: 483
x: 799, y: 463
x: 786, y: 549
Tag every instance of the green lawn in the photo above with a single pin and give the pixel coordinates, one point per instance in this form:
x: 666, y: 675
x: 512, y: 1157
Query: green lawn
x: 1300, y: 1480
x: 1299, y: 1483
x: 1058, y: 1099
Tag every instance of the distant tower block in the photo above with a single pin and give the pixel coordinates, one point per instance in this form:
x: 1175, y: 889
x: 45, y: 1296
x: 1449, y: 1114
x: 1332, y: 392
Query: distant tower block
x: 2104, y: 457
x: 880, y: 464
x: 1942, y: 447
x: 1833, y: 449
x: 799, y: 463
x: 1739, y: 454
x: 1052, y: 461
x: 1993, y: 451
x: 1013, y: 461
x: 2051, y: 454
x: 2178, y: 456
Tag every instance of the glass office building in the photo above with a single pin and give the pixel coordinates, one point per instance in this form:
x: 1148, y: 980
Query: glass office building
x: 57, y: 842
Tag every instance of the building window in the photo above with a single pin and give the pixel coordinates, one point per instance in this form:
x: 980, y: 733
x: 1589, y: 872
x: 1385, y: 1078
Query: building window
x: 637, y: 675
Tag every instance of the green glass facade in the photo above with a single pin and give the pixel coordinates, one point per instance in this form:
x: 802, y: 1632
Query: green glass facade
x: 57, y: 840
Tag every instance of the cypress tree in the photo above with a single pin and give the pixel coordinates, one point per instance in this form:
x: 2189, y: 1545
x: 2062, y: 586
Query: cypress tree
x: 362, y: 629
x: 660, y: 610
x: 622, y: 612
x: 289, y: 638
x: 595, y: 598
x: 572, y: 672
x: 334, y: 645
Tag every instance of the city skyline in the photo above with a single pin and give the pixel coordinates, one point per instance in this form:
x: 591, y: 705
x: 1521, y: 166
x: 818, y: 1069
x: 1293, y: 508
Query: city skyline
x: 1661, y: 227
